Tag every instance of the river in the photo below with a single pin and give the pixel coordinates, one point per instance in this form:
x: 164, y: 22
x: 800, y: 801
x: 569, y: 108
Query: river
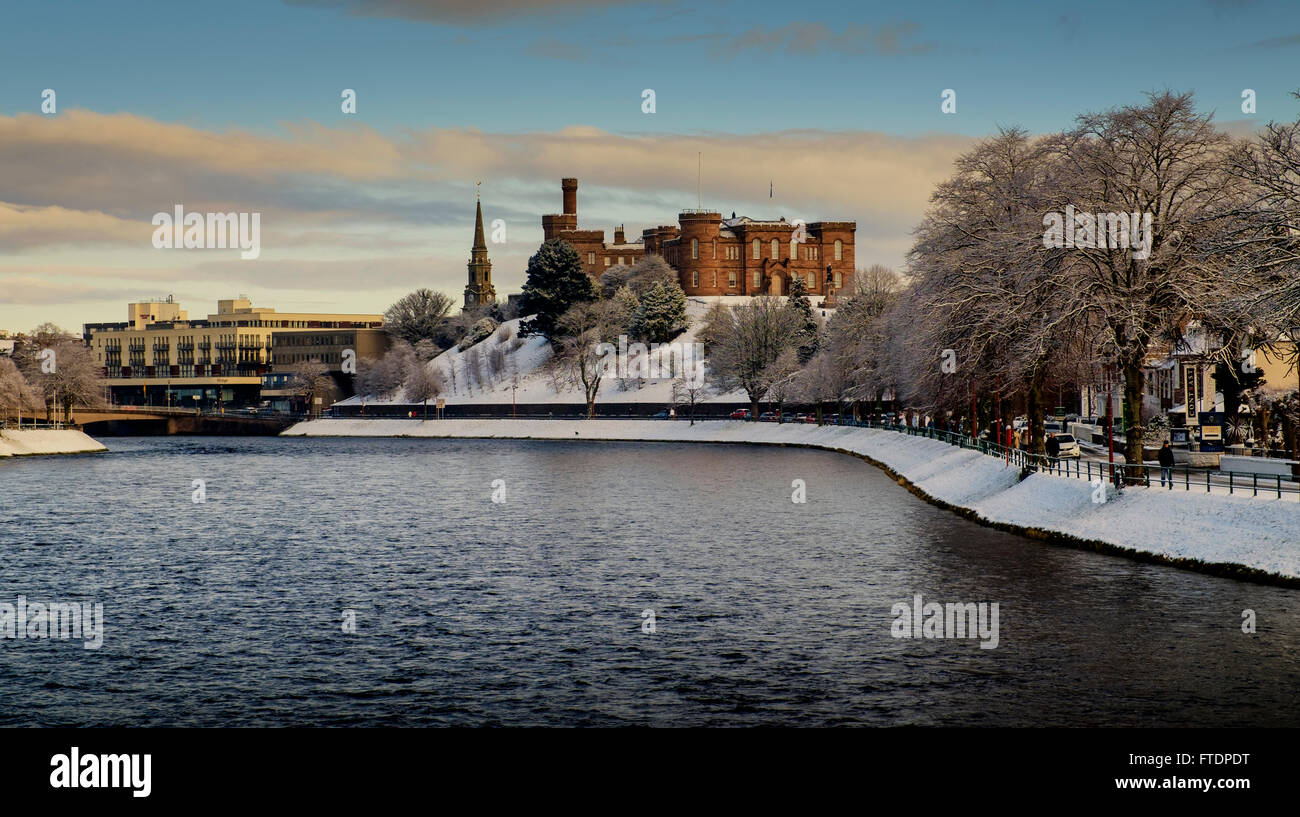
x: 232, y: 611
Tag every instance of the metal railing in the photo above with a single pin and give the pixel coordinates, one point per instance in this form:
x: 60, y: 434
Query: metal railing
x: 1121, y: 475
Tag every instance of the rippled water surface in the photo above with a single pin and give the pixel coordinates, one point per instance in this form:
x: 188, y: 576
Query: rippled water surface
x: 228, y: 613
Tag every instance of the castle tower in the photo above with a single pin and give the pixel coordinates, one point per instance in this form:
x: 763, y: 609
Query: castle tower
x: 479, y: 291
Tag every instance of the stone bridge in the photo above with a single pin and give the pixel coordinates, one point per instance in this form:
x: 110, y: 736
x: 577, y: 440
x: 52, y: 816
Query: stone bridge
x: 158, y: 421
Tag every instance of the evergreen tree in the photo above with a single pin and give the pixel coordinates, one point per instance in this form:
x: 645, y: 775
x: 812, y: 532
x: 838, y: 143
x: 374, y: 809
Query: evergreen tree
x: 662, y: 313
x: 806, y: 340
x: 556, y: 281
x: 626, y: 307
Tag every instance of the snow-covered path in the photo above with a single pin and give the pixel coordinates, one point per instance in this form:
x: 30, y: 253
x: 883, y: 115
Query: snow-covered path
x: 1196, y: 529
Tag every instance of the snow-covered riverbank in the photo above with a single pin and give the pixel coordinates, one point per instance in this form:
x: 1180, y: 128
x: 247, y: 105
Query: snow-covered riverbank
x: 31, y: 441
x: 1221, y: 534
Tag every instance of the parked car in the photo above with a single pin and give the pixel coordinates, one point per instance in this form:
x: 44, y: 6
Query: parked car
x: 740, y: 414
x: 807, y: 418
x: 767, y: 417
x: 787, y: 417
x: 1052, y: 427
x: 661, y: 415
x: 1069, y: 447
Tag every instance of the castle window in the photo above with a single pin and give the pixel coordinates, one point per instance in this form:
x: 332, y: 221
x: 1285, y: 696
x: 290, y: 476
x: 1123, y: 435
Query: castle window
x: 839, y: 250
x: 758, y: 249
x: 620, y: 260
x: 758, y: 280
x: 793, y: 249
x: 839, y: 282
x: 607, y: 260
x: 715, y: 279
x: 591, y: 258
x: 695, y: 277
x: 715, y: 248
x: 695, y: 248
x: 776, y: 249
x: 731, y: 279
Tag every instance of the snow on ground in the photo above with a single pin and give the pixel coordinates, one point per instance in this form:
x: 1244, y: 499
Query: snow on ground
x: 16, y: 443
x: 1255, y: 532
x: 464, y: 383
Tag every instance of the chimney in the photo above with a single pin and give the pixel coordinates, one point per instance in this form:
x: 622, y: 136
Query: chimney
x: 618, y: 235
x: 570, y: 188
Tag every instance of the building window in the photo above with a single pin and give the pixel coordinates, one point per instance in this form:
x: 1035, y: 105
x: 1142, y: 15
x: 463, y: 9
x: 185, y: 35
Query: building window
x: 758, y: 280
x: 758, y: 249
x: 715, y: 279
x: 793, y: 249
x: 695, y: 277
x: 839, y: 282
x: 839, y: 250
x: 731, y: 279
x: 695, y: 248
x: 715, y: 248
x: 607, y: 260
x: 591, y: 258
x: 620, y: 260
x: 776, y: 249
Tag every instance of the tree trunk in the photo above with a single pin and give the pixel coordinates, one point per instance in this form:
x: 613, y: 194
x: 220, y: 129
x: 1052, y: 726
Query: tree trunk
x: 1133, y: 430
x: 753, y: 411
x: 1035, y: 409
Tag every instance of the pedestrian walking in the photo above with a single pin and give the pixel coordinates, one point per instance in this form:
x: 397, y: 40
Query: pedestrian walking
x: 1166, y: 458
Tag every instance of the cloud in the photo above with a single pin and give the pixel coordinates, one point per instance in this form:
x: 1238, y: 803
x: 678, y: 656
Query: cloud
x: 358, y: 216
x: 1271, y: 42
x: 25, y: 227
x: 802, y: 37
x: 20, y: 291
x: 553, y: 49
x: 456, y: 12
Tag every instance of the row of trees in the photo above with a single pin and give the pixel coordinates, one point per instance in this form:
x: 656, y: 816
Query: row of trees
x: 997, y: 311
x: 52, y: 372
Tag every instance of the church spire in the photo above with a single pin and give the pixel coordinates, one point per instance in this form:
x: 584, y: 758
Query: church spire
x: 479, y: 242
x: 479, y: 291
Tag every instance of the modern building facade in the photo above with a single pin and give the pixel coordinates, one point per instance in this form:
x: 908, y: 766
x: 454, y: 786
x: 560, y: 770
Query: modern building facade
x: 161, y: 357
x: 717, y: 256
x: 335, y: 354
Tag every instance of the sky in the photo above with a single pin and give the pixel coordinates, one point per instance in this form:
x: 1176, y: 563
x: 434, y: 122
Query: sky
x: 814, y: 110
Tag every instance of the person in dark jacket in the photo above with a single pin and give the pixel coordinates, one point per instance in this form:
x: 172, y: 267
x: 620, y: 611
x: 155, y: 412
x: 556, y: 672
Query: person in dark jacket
x: 1053, y: 446
x: 1166, y: 458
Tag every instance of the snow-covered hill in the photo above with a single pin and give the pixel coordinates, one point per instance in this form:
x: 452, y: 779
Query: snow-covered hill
x: 486, y: 371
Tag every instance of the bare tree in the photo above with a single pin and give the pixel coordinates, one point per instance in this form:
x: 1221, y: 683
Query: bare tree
x: 417, y: 316
x: 17, y: 397
x: 746, y: 340
x: 310, y: 379
x: 585, y: 330
x: 1164, y: 159
x: 61, y: 369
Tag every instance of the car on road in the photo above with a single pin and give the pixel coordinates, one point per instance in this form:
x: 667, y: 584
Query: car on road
x: 740, y: 414
x: 1069, y: 447
x: 767, y: 417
